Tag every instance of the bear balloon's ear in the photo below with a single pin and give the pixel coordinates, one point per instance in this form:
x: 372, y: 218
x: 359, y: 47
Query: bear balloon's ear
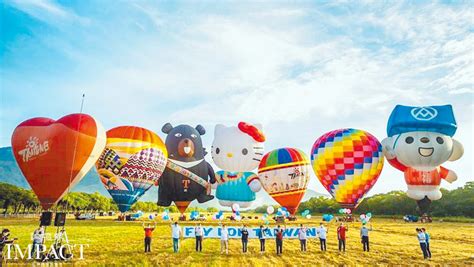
x: 167, y: 128
x: 458, y: 151
x: 200, y: 129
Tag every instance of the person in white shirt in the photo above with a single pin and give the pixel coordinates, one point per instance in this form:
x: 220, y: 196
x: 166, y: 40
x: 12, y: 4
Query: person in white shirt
x: 224, y: 239
x: 198, y: 232
x: 302, y: 237
x: 176, y: 234
x: 38, y: 237
x: 322, y: 231
x: 422, y: 239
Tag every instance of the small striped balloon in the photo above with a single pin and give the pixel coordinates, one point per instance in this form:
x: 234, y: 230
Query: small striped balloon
x: 284, y: 173
x: 347, y: 162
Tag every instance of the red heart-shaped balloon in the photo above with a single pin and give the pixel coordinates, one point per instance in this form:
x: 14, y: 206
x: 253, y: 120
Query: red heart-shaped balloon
x: 55, y: 155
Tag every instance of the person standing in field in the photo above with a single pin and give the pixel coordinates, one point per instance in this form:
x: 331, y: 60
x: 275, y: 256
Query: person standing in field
x: 262, y: 233
x: 322, y: 231
x: 422, y: 239
x: 427, y: 236
x: 364, y: 235
x: 279, y: 239
x: 224, y: 239
x: 302, y: 231
x: 245, y: 238
x: 341, y: 236
x: 38, y: 237
x: 176, y: 234
x: 199, y: 233
x: 4, y: 241
x: 148, y: 233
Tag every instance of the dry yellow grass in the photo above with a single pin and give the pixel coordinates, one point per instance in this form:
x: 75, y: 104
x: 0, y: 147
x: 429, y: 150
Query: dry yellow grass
x: 392, y: 242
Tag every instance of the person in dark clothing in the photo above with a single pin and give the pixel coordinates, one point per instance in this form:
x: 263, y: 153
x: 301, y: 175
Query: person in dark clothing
x: 4, y: 241
x: 245, y: 238
x: 427, y: 236
x: 148, y: 233
x: 279, y: 239
x: 262, y: 233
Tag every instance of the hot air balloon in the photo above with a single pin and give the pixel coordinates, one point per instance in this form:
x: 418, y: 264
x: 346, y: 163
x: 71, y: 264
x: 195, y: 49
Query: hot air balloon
x: 132, y: 161
x: 238, y: 151
x: 55, y: 155
x: 420, y: 140
x: 284, y: 174
x: 347, y: 162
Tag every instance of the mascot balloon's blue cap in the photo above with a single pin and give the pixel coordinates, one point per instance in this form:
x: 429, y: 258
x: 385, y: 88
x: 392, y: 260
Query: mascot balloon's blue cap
x: 438, y: 119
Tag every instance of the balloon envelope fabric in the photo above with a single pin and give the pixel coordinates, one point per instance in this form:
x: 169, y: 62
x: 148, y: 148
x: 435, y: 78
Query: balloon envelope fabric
x: 133, y: 160
x: 284, y: 173
x: 347, y: 162
x: 54, y: 155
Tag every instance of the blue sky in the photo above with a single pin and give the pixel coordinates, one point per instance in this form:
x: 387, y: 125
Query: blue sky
x: 300, y: 68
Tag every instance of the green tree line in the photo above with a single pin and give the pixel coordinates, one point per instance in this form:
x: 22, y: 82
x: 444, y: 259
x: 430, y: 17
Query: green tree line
x: 17, y: 200
x: 457, y: 202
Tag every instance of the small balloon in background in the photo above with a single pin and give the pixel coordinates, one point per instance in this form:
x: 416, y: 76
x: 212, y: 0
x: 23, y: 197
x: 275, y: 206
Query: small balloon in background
x: 369, y: 215
x: 194, y: 214
x: 270, y: 209
x: 165, y: 215
x: 235, y: 207
x: 341, y: 211
x: 304, y: 213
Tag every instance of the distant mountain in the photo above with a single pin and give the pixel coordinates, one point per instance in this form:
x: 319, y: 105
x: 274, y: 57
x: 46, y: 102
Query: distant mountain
x: 10, y: 173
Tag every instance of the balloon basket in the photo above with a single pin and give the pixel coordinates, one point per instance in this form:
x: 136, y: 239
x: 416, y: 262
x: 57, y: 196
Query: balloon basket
x: 182, y: 217
x: 423, y: 206
x: 292, y: 218
x: 60, y: 250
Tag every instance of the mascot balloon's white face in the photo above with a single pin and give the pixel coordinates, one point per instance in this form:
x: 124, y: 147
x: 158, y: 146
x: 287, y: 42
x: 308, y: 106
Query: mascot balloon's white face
x: 238, y: 149
x: 424, y: 150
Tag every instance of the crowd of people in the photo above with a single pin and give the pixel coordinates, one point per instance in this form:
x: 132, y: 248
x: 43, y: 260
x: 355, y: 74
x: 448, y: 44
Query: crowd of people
x: 263, y: 232
x: 262, y: 235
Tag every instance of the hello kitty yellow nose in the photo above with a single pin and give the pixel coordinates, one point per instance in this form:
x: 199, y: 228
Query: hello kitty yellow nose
x: 230, y: 155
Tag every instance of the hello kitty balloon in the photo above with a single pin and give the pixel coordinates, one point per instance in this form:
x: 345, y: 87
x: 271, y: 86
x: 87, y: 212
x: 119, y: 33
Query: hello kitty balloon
x: 237, y: 151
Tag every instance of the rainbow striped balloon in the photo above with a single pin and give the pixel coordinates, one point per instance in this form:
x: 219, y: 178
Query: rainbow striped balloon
x: 347, y: 162
x: 284, y: 174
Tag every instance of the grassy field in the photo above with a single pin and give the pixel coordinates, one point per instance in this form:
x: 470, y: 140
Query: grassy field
x: 392, y: 242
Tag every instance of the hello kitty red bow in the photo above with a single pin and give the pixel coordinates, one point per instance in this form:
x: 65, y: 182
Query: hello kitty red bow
x: 251, y: 130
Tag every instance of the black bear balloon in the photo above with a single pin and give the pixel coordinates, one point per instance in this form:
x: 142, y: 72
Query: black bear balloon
x: 186, y: 175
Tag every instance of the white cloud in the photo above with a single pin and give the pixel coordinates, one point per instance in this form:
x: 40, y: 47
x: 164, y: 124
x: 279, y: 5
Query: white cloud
x: 300, y: 71
x: 46, y: 10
